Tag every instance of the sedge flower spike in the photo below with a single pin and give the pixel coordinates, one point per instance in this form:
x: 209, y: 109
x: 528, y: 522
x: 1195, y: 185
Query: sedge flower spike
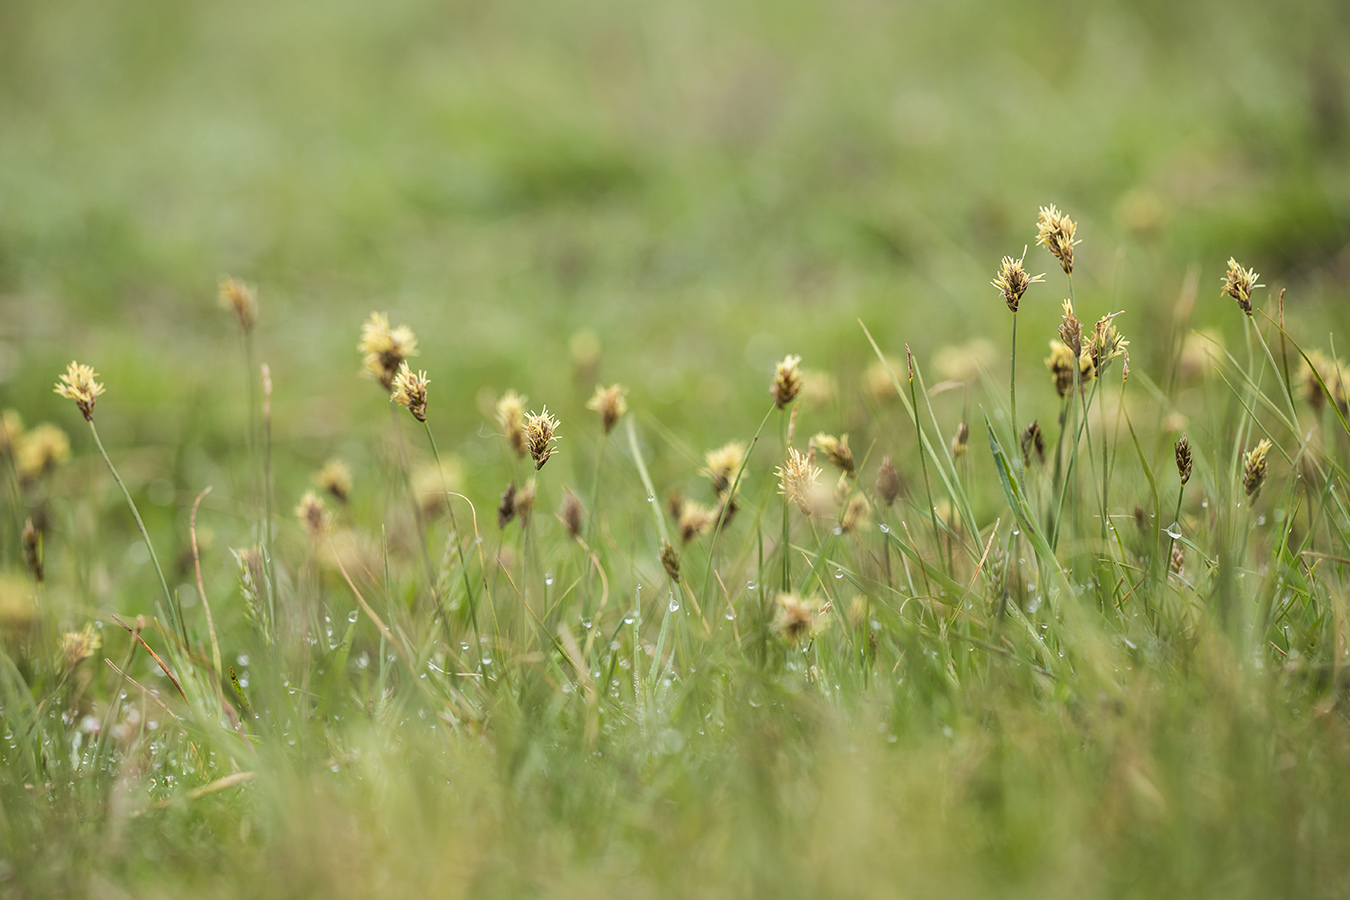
x: 79, y: 384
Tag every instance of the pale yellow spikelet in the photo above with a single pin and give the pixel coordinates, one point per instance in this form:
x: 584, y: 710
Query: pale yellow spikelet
x: 1239, y: 283
x: 724, y: 464
x: 313, y: 514
x: 511, y: 420
x: 1254, y: 469
x: 797, y: 619
x: 836, y: 450
x: 1055, y: 232
x: 694, y: 520
x: 40, y: 451
x: 787, y: 380
x: 79, y: 384
x: 77, y: 646
x: 798, y: 480
x: 1012, y: 280
x: 335, y: 478
x: 384, y: 349
x: 11, y: 431
x: 242, y: 300
x: 540, y: 431
x: 410, y: 391
x: 610, y: 403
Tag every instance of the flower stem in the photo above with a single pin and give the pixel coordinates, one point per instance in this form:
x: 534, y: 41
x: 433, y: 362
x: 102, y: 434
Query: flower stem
x: 175, y: 610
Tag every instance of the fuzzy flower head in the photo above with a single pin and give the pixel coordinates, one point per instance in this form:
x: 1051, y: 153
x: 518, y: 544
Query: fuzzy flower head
x: 539, y: 433
x: 242, y: 300
x: 384, y: 350
x: 1061, y: 362
x: 796, y: 619
x: 1012, y: 280
x: 77, y: 646
x: 335, y: 479
x: 610, y: 403
x: 694, y: 519
x: 1105, y: 343
x: 78, y: 384
x: 1055, y: 232
x: 410, y: 391
x: 787, y: 380
x: 798, y: 481
x: 888, y: 482
x: 723, y: 465
x: 313, y: 515
x: 836, y: 450
x: 1238, y: 283
x: 40, y: 451
x: 1254, y: 470
x: 511, y: 420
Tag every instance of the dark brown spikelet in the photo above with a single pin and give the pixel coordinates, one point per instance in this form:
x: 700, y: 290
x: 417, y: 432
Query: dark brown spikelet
x: 32, y: 551
x: 674, y: 503
x: 888, y: 482
x: 507, y: 510
x: 1184, y: 461
x: 572, y: 514
x: 1033, y: 441
x: 670, y: 561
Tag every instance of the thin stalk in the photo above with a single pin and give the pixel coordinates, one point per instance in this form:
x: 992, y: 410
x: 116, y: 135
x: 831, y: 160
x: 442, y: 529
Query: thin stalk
x: 923, y: 463
x: 459, y: 547
x: 1012, y: 374
x: 174, y: 608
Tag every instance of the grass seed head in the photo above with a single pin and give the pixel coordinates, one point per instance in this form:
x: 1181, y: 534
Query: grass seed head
x: 511, y: 420
x: 796, y: 619
x: 723, y: 465
x: 1012, y: 280
x: 670, y: 561
x: 539, y: 433
x: 77, y: 646
x: 1055, y: 232
x: 1239, y: 283
x: 798, y: 481
x: 1184, y: 461
x: 855, y: 514
x: 694, y: 520
x: 506, y: 510
x: 1177, y: 564
x: 1070, y: 329
x: 410, y: 391
x: 384, y: 349
x: 1061, y: 363
x: 31, y: 542
x: 11, y: 432
x: 40, y: 451
x: 1033, y: 442
x: 335, y: 479
x: 610, y: 402
x: 572, y: 514
x: 1254, y: 470
x: 79, y: 384
x: 242, y: 300
x: 836, y: 451
x: 525, y: 500
x: 1105, y: 343
x: 787, y: 380
x: 249, y: 562
x: 960, y: 440
x: 313, y: 515
x: 888, y: 482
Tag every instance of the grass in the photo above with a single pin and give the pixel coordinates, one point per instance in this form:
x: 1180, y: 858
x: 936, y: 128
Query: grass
x: 997, y: 685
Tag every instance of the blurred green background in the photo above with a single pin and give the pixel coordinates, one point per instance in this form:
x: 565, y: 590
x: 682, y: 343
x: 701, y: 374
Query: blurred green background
x: 703, y: 186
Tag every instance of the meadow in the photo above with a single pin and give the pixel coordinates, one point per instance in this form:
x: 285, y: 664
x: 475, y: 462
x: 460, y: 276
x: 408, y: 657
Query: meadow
x: 694, y: 449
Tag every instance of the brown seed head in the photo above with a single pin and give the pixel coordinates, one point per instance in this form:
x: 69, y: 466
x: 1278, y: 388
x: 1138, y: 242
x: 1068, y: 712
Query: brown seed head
x: 78, y: 384
x: 1184, y: 462
x: 1071, y: 330
x: 242, y: 300
x: 1012, y: 280
x: 506, y: 511
x: 670, y: 561
x: 511, y: 419
x: 313, y: 515
x: 410, y: 391
x: 1033, y: 442
x: 1061, y: 362
x: 610, y: 403
x: 335, y: 478
x: 960, y: 440
x: 1105, y: 343
x: 888, y: 482
x: 836, y: 451
x: 525, y: 500
x: 1055, y: 232
x: 539, y: 433
x: 796, y: 619
x: 724, y: 464
x: 787, y: 380
x: 384, y: 349
x: 909, y: 363
x: 1254, y: 470
x: 797, y: 480
x: 1177, y: 565
x: 571, y: 513
x: 31, y: 540
x: 1238, y: 283
x: 855, y: 513
x: 40, y: 451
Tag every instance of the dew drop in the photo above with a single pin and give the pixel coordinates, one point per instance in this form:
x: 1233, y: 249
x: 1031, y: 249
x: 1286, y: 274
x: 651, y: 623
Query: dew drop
x: 674, y: 604
x: 548, y: 579
x: 838, y: 573
x: 352, y: 616
x: 885, y: 529
x: 1174, y: 531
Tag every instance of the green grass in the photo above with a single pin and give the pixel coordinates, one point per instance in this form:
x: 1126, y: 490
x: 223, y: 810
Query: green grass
x: 1007, y: 699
